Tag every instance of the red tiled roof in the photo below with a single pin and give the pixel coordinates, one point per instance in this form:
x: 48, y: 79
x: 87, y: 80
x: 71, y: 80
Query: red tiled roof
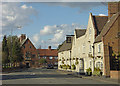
x: 47, y: 52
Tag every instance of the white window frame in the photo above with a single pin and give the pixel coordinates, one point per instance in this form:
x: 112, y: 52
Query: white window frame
x: 99, y: 48
x: 84, y: 48
x: 90, y: 48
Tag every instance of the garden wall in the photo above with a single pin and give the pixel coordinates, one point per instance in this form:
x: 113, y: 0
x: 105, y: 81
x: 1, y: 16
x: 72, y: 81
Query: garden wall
x: 115, y: 74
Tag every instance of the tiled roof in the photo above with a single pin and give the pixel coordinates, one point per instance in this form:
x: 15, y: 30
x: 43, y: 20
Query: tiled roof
x: 80, y: 32
x: 107, y: 27
x: 99, y: 22
x: 23, y: 42
x: 47, y: 52
x: 65, y: 46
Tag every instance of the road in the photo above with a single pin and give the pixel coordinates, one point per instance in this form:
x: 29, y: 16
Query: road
x: 45, y: 76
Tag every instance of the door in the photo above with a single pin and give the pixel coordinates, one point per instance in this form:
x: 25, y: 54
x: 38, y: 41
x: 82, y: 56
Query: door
x: 27, y: 65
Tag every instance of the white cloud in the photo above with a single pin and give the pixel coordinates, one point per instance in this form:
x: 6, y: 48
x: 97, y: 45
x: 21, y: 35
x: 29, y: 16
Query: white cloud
x: 58, y: 33
x: 102, y: 15
x: 36, y: 38
x: 13, y: 15
x: 24, y: 6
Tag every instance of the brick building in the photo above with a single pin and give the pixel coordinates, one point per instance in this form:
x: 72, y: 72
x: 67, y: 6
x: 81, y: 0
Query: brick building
x: 29, y: 51
x: 111, y: 39
x: 51, y: 55
x: 110, y: 36
x: 32, y: 55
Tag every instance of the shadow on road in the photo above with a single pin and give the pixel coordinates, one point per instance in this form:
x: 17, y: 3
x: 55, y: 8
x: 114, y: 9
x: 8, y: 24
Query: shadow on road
x: 9, y: 77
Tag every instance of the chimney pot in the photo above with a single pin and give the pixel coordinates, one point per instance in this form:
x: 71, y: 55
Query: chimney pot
x: 49, y: 47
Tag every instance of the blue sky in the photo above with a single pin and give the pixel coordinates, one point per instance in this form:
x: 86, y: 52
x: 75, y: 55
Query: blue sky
x: 48, y: 23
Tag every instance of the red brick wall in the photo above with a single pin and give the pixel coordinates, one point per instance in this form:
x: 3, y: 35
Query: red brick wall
x: 115, y: 74
x: 27, y: 48
x: 113, y: 7
x: 110, y: 39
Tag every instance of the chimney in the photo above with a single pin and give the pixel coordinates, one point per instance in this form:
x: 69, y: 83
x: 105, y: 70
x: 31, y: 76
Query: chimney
x: 113, y: 8
x: 69, y: 38
x: 22, y: 37
x: 49, y: 47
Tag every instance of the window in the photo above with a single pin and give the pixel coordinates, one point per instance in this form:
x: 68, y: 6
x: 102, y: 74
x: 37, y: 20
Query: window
x: 30, y: 47
x: 33, y: 55
x: 99, y: 65
x: 90, y: 31
x: 50, y: 57
x: 24, y: 46
x: 90, y: 48
x: 83, y: 48
x: 99, y: 48
x: 90, y: 64
x: 44, y: 57
x: 56, y: 57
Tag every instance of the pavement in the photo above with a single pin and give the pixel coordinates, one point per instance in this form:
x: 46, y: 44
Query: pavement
x: 48, y: 76
x: 98, y: 78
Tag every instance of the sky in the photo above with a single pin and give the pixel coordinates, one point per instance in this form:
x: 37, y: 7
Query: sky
x: 47, y: 24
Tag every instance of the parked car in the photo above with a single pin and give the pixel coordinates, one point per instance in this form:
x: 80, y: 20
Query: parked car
x: 50, y: 66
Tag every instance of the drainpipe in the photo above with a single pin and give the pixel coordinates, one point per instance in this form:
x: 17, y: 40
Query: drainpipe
x: 93, y: 56
x: 70, y: 57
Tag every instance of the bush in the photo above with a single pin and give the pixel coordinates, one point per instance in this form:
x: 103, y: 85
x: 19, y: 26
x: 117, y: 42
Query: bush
x: 89, y: 71
x: 64, y: 66
x: 76, y: 62
x: 62, y: 62
x: 60, y: 66
x: 68, y: 67
x: 73, y: 67
x: 97, y: 72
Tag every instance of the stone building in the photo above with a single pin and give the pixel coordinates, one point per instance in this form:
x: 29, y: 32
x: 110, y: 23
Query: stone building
x: 99, y: 45
x: 64, y: 52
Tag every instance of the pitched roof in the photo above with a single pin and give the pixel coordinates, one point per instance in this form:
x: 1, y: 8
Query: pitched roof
x: 23, y: 42
x: 99, y: 22
x: 80, y: 32
x: 47, y: 52
x: 107, y: 27
x: 65, y: 46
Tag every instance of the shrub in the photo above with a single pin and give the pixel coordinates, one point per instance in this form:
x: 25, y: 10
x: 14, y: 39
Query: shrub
x: 89, y: 71
x: 97, y: 71
x: 76, y: 62
x: 113, y: 54
x: 68, y: 67
x: 60, y: 66
x: 73, y: 67
x: 64, y: 66
x: 59, y: 59
x: 62, y: 62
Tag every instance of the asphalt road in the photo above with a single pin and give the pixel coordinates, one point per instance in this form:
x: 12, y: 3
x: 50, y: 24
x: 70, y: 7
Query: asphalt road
x: 45, y: 76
